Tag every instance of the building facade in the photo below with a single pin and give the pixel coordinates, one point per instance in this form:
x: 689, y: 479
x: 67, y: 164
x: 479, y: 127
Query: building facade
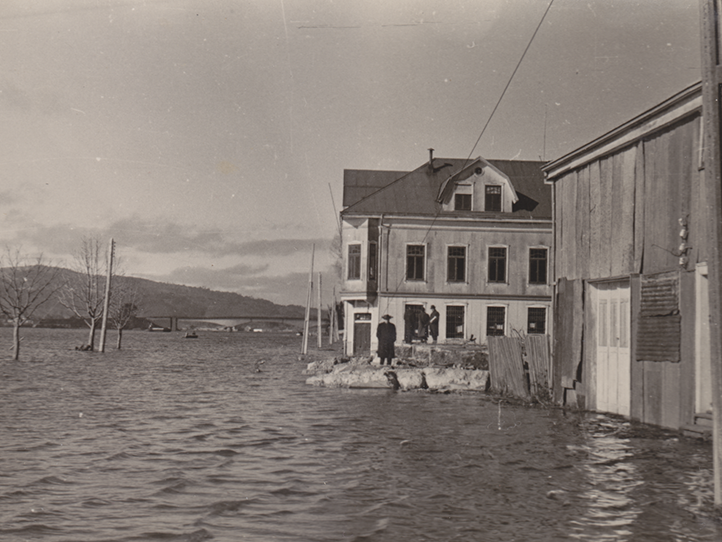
x: 470, y: 237
x: 630, y: 271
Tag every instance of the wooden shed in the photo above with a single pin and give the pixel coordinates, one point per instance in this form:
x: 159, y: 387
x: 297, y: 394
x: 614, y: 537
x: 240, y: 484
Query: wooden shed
x: 629, y: 265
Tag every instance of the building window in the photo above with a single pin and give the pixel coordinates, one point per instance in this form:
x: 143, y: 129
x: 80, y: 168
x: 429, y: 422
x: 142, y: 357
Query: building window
x: 457, y: 264
x: 492, y: 200
x: 495, y: 317
x: 415, y: 262
x: 454, y: 322
x: 536, y: 320
x: 354, y: 262
x: 537, y: 266
x: 373, y: 260
x: 497, y: 264
x: 462, y: 202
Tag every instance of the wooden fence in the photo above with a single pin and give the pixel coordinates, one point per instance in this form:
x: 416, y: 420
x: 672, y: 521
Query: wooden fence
x: 520, y: 366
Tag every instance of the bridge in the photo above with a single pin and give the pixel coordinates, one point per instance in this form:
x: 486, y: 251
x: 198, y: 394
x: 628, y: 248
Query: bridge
x: 175, y: 322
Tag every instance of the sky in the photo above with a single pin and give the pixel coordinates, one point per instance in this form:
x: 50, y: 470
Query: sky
x: 208, y: 138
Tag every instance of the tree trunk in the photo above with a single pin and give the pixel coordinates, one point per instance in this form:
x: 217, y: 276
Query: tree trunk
x: 120, y: 337
x: 91, y: 335
x: 16, y: 339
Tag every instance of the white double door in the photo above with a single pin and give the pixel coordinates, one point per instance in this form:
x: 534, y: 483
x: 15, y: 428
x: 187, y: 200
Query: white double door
x: 613, y: 353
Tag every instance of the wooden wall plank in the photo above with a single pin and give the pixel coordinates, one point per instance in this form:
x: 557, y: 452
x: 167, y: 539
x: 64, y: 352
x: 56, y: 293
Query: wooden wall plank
x: 616, y: 233
x: 652, y: 392
x: 570, y: 226
x: 626, y: 225
x: 582, y: 217
x: 670, y: 395
x: 606, y: 172
x: 637, y: 369
x: 638, y: 224
x: 595, y: 221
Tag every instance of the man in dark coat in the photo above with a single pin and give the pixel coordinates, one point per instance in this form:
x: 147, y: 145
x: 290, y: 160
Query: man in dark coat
x: 434, y: 324
x: 386, y: 334
x: 423, y: 325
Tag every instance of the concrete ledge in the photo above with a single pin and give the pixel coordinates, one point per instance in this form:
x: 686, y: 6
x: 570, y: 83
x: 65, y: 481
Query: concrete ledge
x: 431, y: 378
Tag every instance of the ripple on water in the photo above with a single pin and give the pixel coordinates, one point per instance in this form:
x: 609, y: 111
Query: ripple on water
x: 187, y: 442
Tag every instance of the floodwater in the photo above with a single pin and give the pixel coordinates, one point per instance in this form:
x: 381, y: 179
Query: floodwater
x: 174, y: 439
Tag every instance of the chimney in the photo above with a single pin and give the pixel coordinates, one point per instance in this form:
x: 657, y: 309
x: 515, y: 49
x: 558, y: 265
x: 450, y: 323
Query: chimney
x: 431, y: 159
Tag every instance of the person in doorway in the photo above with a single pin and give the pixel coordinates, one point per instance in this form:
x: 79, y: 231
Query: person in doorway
x: 409, y: 324
x: 434, y: 324
x: 423, y: 325
x: 386, y: 334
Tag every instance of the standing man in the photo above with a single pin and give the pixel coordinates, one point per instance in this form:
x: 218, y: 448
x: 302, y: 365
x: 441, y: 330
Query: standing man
x: 386, y: 334
x: 434, y: 324
x: 423, y: 325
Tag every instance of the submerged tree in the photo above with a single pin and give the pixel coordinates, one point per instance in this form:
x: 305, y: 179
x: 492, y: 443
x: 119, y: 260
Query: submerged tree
x: 84, y: 291
x: 123, y: 306
x: 25, y: 285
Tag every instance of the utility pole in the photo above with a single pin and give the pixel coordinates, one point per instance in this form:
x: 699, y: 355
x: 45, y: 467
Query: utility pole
x: 306, y: 320
x: 711, y: 92
x: 106, y: 301
x: 318, y: 313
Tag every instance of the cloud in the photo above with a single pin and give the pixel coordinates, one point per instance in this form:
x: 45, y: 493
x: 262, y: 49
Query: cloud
x: 170, y: 237
x: 252, y: 281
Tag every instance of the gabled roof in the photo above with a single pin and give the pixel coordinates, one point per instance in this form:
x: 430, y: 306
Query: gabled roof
x: 416, y: 192
x: 359, y: 183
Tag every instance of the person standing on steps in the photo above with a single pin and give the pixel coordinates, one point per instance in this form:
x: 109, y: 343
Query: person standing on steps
x: 434, y: 324
x: 386, y: 334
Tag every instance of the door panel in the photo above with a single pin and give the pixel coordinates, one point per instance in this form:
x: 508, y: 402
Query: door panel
x: 613, y: 353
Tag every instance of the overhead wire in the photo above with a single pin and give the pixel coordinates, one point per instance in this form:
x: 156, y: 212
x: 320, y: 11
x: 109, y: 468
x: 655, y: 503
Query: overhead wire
x: 486, y: 125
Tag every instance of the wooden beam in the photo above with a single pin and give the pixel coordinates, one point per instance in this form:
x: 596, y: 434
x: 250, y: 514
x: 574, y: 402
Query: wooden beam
x: 711, y: 78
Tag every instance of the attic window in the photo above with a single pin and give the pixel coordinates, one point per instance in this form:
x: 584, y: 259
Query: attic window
x: 462, y: 202
x: 492, y: 200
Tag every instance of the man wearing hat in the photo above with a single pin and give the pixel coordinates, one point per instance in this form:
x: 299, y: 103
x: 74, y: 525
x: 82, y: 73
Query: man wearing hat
x: 434, y: 324
x: 386, y: 334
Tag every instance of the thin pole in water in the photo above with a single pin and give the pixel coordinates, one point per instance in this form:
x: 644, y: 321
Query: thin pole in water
x: 318, y: 313
x: 306, y: 322
x: 106, y: 301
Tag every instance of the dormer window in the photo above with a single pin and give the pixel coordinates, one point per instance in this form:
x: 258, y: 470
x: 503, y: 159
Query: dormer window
x: 492, y: 199
x: 462, y: 202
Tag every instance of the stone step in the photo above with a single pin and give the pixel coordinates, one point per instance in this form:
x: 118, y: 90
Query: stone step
x: 697, y: 431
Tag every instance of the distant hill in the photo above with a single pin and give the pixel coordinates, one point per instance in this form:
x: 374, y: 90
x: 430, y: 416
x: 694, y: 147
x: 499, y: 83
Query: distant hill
x: 164, y: 299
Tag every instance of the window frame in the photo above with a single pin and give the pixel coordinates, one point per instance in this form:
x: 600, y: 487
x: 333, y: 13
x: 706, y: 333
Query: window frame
x: 448, y: 322
x: 505, y: 270
x: 488, y: 194
x: 467, y: 198
x: 373, y: 261
x: 353, y: 262
x: 455, y: 280
x: 505, y: 323
x: 529, y: 321
x: 546, y: 265
x: 422, y: 267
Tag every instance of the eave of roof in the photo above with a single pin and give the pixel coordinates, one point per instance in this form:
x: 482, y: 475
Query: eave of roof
x: 686, y: 102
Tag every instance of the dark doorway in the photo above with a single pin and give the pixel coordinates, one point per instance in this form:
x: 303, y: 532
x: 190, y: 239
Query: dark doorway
x: 361, y: 334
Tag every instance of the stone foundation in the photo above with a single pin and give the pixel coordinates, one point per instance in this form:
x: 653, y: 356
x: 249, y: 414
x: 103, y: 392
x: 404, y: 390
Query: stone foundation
x: 432, y: 367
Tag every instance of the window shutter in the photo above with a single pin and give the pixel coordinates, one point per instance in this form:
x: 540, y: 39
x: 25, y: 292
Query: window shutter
x: 659, y: 328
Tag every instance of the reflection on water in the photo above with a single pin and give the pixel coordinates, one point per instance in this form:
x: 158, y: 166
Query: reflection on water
x: 185, y: 440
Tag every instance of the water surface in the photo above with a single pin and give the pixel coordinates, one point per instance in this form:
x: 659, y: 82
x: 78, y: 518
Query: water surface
x: 179, y: 439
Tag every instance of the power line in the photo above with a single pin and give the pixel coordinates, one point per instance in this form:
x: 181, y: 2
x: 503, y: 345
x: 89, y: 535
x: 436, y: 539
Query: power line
x: 501, y: 97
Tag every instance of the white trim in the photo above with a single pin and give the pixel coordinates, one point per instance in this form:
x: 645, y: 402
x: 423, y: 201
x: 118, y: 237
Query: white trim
x: 467, y: 249
x: 348, y: 262
x: 485, y: 313
x: 406, y: 262
x: 506, y: 265
x: 528, y: 262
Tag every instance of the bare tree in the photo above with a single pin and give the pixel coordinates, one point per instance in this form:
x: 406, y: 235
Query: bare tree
x: 123, y: 306
x: 25, y: 285
x: 84, y: 291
